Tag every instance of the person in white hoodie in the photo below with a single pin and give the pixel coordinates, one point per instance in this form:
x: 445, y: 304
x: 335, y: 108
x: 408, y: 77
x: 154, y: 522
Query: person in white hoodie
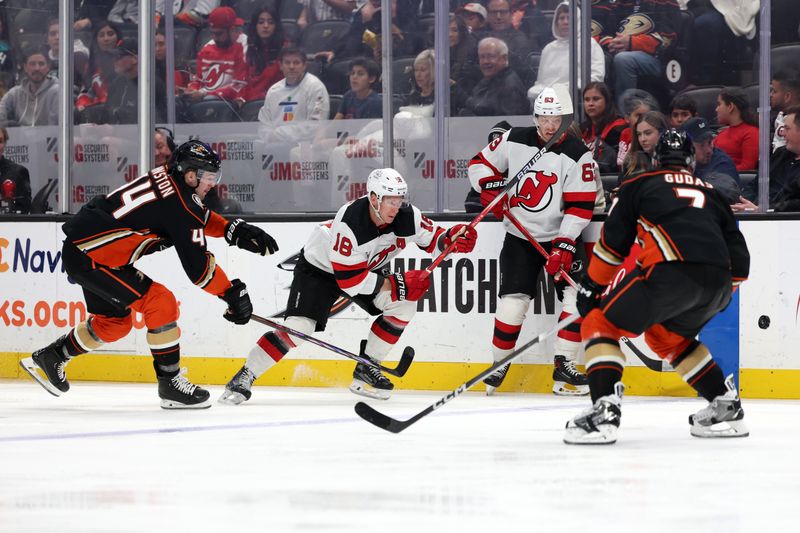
x: 554, y: 63
x: 34, y: 102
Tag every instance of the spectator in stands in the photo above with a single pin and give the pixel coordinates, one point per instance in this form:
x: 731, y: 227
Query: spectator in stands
x: 361, y: 101
x: 635, y: 103
x: 681, y: 108
x: 125, y: 12
x: 784, y: 91
x: 649, y: 128
x: 603, y: 126
x: 101, y: 66
x: 265, y: 40
x: 500, y: 91
x: 715, y: 25
x: 15, y: 182
x: 464, y: 70
x: 187, y: 12
x: 639, y: 33
x: 319, y: 10
x: 80, y: 55
x: 424, y: 82
x: 784, y: 171
x: 181, y: 79
x: 474, y: 17
x: 530, y: 20
x: 6, y: 55
x: 555, y: 60
x: 364, y: 36
x: 294, y: 104
x: 90, y: 12
x: 122, y: 101
x: 500, y: 27
x: 708, y: 158
x: 34, y: 101
x: 163, y: 146
x: 740, y: 139
x: 221, y: 68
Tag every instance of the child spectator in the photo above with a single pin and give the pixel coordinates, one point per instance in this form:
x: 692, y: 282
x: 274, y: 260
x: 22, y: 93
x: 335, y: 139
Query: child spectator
x: 740, y: 139
x: 649, y: 127
x: 603, y: 126
x: 635, y: 103
x: 361, y: 101
x: 265, y: 40
x: 681, y: 108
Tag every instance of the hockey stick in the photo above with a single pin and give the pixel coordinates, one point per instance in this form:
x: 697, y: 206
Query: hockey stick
x: 396, y: 426
x: 510, y: 185
x: 400, y: 370
x: 652, y: 364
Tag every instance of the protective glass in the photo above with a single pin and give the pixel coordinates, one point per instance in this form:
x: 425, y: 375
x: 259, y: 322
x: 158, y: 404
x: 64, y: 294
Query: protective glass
x: 209, y: 176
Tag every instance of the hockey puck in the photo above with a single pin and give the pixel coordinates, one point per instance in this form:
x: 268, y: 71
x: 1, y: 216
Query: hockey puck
x: 763, y: 321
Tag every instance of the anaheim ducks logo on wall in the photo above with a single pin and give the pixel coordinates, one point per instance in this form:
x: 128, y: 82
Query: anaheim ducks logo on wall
x: 636, y: 25
x: 534, y: 192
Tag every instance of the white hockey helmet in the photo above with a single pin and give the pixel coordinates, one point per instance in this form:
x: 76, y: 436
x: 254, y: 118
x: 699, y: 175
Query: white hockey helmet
x: 386, y: 182
x: 548, y: 103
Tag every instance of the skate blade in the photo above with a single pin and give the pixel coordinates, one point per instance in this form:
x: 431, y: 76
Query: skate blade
x: 606, y: 434
x: 362, y: 389
x: 30, y: 367
x: 490, y: 390
x: 172, y: 404
x: 230, y: 397
x: 721, y: 430
x: 562, y: 388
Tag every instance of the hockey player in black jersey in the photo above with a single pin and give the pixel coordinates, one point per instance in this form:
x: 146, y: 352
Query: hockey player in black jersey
x: 349, y: 256
x: 161, y: 209
x: 693, y: 257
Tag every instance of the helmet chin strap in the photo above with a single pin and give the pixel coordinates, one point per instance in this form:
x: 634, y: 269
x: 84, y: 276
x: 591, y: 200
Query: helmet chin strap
x: 376, y: 210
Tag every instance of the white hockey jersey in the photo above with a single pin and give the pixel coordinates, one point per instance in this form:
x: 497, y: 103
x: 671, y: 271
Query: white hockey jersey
x: 553, y: 199
x: 352, y: 247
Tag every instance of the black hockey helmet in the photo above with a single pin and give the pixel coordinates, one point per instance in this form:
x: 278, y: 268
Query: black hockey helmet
x: 674, y: 149
x: 195, y: 155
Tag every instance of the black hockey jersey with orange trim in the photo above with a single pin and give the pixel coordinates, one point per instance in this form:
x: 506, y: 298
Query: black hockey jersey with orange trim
x: 147, y: 215
x: 651, y: 25
x: 675, y: 217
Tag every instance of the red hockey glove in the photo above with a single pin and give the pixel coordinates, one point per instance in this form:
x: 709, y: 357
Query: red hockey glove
x: 490, y: 188
x: 560, y: 256
x: 465, y: 237
x: 410, y: 285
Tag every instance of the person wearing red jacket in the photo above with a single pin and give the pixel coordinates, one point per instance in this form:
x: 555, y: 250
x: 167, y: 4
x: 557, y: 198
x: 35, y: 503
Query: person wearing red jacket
x: 221, y: 70
x: 265, y: 39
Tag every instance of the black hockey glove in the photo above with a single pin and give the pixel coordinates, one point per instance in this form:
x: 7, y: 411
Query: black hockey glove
x: 249, y: 237
x: 239, y: 306
x: 589, y: 294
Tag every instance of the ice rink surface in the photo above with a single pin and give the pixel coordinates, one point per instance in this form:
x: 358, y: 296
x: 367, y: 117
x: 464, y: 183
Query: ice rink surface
x: 106, y: 458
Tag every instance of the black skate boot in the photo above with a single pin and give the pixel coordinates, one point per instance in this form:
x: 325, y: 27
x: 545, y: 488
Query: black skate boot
x: 177, y: 392
x: 567, y: 379
x: 495, y: 379
x: 238, y: 389
x: 52, y: 362
x: 723, y: 417
x: 599, y: 423
x: 369, y: 381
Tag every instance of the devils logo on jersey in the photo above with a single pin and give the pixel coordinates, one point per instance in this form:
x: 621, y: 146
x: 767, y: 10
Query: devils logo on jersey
x: 534, y: 192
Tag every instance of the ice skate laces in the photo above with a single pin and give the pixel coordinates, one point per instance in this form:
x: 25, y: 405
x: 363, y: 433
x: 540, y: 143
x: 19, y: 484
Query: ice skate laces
x: 182, y: 384
x: 376, y: 374
x: 244, y: 378
x: 570, y: 369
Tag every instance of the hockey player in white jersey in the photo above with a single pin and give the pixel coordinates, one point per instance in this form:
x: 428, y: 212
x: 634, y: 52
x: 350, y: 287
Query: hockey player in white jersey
x: 349, y: 256
x: 554, y: 202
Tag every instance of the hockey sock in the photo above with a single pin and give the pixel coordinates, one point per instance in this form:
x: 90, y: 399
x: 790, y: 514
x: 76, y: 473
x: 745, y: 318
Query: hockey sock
x: 80, y: 340
x: 568, y: 341
x: 700, y: 371
x: 165, y: 346
x: 508, y: 319
x: 274, y: 345
x: 504, y: 339
x: 383, y: 335
x: 604, y: 365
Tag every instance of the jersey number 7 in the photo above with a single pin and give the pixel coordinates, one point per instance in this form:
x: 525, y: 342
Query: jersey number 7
x: 697, y: 198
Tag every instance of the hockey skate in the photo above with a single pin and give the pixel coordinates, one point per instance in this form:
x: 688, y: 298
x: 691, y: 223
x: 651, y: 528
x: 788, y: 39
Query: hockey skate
x: 567, y: 379
x: 721, y: 418
x: 495, y: 379
x: 599, y: 423
x: 369, y: 381
x: 50, y: 361
x: 177, y: 392
x: 238, y: 389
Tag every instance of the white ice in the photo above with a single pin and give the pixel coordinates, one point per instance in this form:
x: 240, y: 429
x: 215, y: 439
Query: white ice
x: 106, y: 458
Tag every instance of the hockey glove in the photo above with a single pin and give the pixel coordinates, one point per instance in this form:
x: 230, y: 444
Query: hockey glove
x: 410, y: 285
x: 249, y: 237
x: 561, y: 255
x: 589, y: 294
x: 464, y: 236
x: 239, y: 306
x: 490, y: 188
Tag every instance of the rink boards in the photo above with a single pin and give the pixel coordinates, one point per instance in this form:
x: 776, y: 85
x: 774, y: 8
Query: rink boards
x: 757, y: 335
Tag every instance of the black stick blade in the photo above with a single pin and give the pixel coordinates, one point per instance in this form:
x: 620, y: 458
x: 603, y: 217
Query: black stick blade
x: 379, y: 419
x: 405, y: 361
